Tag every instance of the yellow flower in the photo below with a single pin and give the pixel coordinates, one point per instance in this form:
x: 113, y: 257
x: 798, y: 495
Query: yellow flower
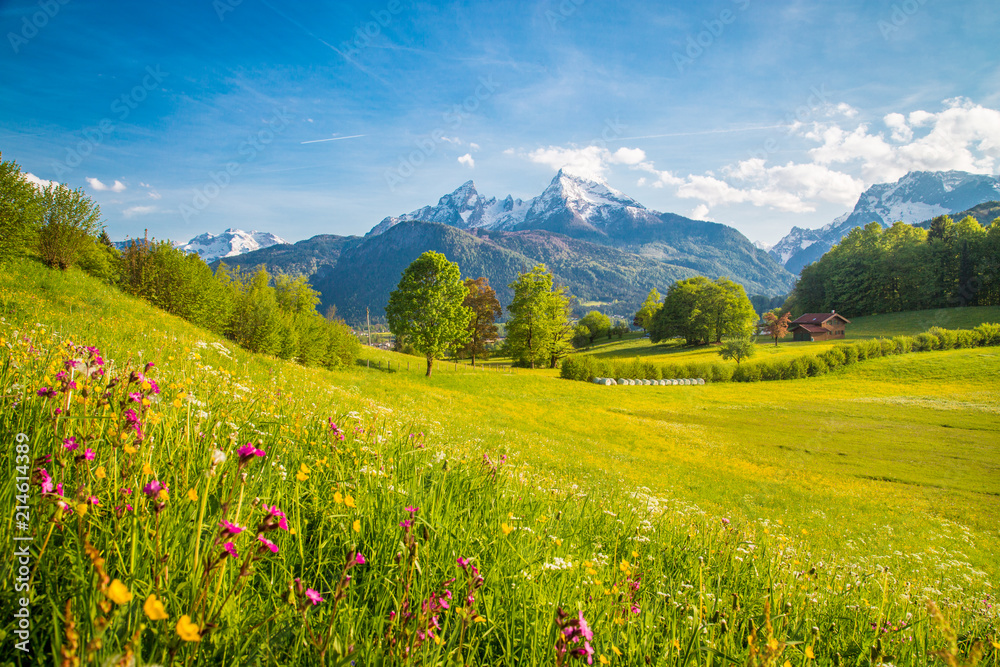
x: 163, y: 495
x: 177, y: 403
x: 145, y: 386
x: 635, y: 555
x: 624, y: 567
x: 100, y: 473
x: 81, y: 508
x: 337, y: 498
x: 772, y: 644
x: 118, y: 592
x: 146, y: 402
x: 349, y: 501
x: 129, y: 449
x: 192, y: 495
x: 146, y: 470
x: 187, y: 630
x: 479, y: 619
x: 356, y: 525
x: 154, y: 609
x: 505, y: 528
x: 303, y: 473
x: 615, y: 649
x: 677, y: 645
x: 788, y: 663
x: 809, y: 652
x: 604, y: 661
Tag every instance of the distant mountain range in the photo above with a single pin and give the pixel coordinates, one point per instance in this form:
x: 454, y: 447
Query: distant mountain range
x: 606, y: 247
x: 229, y: 243
x: 916, y: 197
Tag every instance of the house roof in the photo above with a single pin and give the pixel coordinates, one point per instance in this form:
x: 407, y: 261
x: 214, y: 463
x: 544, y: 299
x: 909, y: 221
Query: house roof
x: 811, y: 328
x: 818, y: 318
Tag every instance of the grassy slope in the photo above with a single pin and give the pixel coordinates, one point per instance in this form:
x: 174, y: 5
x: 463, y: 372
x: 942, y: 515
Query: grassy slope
x: 816, y: 454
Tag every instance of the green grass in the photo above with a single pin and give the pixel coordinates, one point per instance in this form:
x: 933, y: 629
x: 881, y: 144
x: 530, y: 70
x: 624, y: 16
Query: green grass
x: 888, y: 464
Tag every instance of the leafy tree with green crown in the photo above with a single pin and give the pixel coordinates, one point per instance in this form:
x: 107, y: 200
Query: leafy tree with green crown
x: 426, y: 307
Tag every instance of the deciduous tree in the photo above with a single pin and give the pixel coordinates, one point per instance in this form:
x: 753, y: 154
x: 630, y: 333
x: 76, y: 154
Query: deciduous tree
x: 426, y: 308
x: 776, y: 325
x: 482, y: 301
x: 644, y: 316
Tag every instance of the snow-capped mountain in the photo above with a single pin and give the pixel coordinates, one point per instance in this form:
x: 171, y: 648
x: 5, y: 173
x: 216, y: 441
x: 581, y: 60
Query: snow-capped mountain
x: 568, y: 203
x: 464, y: 208
x: 918, y: 196
x: 229, y: 243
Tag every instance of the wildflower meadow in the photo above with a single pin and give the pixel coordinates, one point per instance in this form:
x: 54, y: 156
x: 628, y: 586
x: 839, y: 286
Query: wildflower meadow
x: 185, y: 502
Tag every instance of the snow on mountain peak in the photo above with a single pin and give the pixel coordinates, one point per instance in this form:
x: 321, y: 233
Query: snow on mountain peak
x: 229, y: 243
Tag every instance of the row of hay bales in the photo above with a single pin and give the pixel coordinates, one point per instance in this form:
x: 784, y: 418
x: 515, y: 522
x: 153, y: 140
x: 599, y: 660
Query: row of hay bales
x: 608, y: 382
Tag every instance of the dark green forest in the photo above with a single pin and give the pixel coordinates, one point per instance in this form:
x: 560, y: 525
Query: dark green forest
x: 875, y: 270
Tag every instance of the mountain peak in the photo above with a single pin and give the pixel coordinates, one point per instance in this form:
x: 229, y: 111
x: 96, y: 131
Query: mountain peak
x: 229, y: 243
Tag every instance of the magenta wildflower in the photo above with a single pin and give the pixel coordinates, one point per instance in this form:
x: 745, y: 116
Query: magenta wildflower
x: 46, y: 392
x: 359, y: 559
x: 406, y: 523
x: 313, y: 596
x: 88, y: 454
x: 231, y: 549
x: 153, y: 488
x: 276, y: 518
x: 70, y: 443
x: 45, y: 481
x: 267, y: 544
x: 412, y: 510
x: 462, y: 562
x: 229, y: 528
x: 93, y: 500
x: 248, y: 451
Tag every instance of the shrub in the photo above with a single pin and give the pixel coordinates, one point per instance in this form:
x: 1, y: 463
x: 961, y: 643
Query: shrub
x: 904, y: 344
x: 815, y: 366
x: 569, y: 369
x: 721, y: 373
x: 650, y: 371
x: 834, y: 357
x: 70, y: 223
x: 946, y: 339
x: 747, y: 373
x: 850, y: 354
x: 888, y: 346
x: 990, y: 333
x: 968, y: 338
x: 925, y: 342
x: 797, y: 368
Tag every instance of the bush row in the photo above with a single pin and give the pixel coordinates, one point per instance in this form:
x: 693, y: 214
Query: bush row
x: 587, y: 367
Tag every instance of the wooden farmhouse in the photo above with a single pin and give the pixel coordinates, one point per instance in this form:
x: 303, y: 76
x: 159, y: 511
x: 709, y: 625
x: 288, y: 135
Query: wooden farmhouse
x: 819, y: 326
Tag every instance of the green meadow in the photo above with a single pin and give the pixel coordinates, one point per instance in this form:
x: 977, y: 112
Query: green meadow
x: 774, y: 523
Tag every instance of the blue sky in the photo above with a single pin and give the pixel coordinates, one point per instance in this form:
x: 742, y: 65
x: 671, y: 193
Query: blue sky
x: 188, y: 117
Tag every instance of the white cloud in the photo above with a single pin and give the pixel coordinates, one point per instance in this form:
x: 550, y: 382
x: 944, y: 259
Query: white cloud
x: 117, y: 186
x: 467, y: 161
x: 848, y: 157
x: 473, y: 145
x: 589, y: 162
x: 964, y: 136
x: 630, y: 156
x: 452, y: 140
x: 699, y: 212
x: 39, y: 183
x: 133, y: 211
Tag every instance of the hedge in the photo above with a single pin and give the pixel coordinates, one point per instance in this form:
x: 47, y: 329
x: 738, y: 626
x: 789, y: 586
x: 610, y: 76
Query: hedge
x: 587, y: 367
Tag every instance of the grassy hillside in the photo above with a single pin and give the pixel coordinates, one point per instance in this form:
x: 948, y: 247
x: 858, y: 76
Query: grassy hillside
x: 884, y: 478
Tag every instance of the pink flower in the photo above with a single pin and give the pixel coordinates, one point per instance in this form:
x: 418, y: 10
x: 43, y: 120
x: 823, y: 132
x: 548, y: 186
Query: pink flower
x: 231, y: 549
x: 313, y: 596
x: 412, y: 510
x: 229, y: 528
x: 248, y: 451
x: 153, y: 488
x: 70, y: 443
x: 359, y: 559
x: 275, y: 513
x: 406, y: 523
x: 462, y: 562
x: 93, y: 500
x: 45, y: 392
x: 88, y: 454
x: 267, y: 544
